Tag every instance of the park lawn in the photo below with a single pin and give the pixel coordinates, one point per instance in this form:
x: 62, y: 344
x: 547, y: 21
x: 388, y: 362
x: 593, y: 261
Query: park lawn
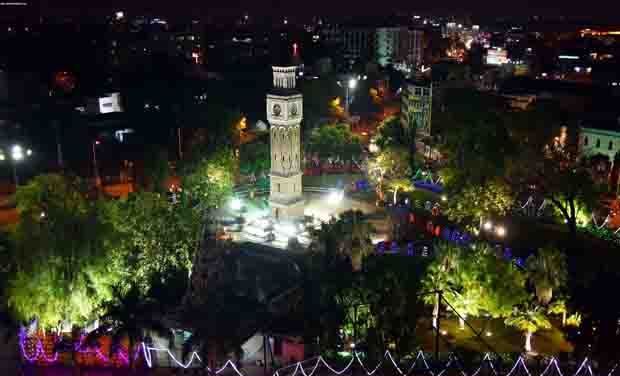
x: 504, y: 339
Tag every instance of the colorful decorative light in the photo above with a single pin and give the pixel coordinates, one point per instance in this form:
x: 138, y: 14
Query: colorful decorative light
x: 122, y: 356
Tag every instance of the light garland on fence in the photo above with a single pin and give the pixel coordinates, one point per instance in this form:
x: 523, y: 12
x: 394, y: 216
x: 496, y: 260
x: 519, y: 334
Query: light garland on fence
x: 451, y: 358
x: 519, y: 361
x: 552, y: 362
x: 486, y: 358
x: 602, y: 225
x: 123, y: 355
x: 420, y: 355
x: 586, y: 363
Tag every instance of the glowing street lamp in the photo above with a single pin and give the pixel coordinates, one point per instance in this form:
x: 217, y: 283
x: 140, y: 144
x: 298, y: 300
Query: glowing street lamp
x: 500, y: 231
x: 350, y: 86
x: 488, y: 225
x: 16, y: 155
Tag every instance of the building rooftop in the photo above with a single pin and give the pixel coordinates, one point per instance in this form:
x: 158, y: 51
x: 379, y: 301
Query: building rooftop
x: 606, y: 124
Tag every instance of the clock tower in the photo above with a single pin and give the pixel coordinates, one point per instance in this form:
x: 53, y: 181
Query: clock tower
x: 284, y: 113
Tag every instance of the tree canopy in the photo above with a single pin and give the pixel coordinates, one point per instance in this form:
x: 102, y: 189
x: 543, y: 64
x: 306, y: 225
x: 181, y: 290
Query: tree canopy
x: 334, y: 141
x: 62, y: 259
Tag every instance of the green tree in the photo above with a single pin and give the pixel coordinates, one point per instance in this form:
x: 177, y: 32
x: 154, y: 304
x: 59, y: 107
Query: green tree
x: 356, y: 232
x: 156, y: 168
x: 398, y: 185
x: 561, y: 178
x: 208, y: 178
x: 345, y: 237
x: 130, y: 314
x: 334, y: 141
x: 470, y: 205
x: 442, y: 274
x: 156, y: 236
x: 390, y: 132
x: 547, y: 271
x: 476, y: 139
x: 62, y: 262
x: 213, y: 125
x: 529, y: 319
x: 558, y: 307
x: 254, y: 158
x: 389, y: 164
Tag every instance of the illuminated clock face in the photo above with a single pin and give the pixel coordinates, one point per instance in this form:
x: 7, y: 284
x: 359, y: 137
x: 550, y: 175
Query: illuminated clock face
x: 276, y: 110
x: 294, y: 110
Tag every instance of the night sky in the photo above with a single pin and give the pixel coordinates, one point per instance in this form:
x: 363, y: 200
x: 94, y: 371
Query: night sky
x: 609, y: 9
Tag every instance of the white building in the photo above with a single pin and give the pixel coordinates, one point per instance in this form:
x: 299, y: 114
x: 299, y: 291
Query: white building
x: 600, y: 139
x: 284, y: 113
x: 399, y: 45
x: 387, y: 43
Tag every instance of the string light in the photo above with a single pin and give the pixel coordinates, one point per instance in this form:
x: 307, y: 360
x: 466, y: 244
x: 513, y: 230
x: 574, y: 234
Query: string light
x: 552, y: 362
x: 522, y: 363
x: 123, y: 356
x: 486, y: 358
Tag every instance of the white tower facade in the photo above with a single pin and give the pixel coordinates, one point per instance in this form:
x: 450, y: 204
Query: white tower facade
x: 284, y: 113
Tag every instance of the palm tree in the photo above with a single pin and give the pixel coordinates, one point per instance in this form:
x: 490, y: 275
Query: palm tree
x: 355, y: 233
x: 558, y: 307
x: 547, y: 271
x: 223, y: 325
x: 529, y: 320
x: 441, y: 274
x: 129, y: 316
x: 400, y: 185
x: 348, y: 236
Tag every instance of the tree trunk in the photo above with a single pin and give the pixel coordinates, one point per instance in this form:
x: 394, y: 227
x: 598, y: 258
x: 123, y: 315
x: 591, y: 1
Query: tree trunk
x: 544, y: 294
x: 528, y: 341
x: 462, y: 322
x: 130, y: 355
x: 436, y: 310
x: 564, y: 318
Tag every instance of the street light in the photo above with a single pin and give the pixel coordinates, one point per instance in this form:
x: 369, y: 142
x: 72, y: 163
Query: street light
x: 488, y: 225
x: 17, y: 154
x: 500, y: 231
x: 95, y: 168
x: 350, y: 86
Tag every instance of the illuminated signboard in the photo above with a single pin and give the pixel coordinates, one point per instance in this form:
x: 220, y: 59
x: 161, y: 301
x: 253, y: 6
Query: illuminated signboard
x: 497, y: 56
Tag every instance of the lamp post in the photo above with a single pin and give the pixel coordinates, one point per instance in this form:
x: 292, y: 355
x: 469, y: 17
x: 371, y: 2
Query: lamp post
x: 350, y: 86
x: 95, y: 168
x: 17, y: 154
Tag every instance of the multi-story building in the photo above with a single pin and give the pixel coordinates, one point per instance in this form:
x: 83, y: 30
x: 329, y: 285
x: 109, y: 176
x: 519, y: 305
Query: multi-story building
x: 416, y: 108
x: 387, y: 44
x: 399, y: 45
x: 358, y: 42
x: 411, y: 47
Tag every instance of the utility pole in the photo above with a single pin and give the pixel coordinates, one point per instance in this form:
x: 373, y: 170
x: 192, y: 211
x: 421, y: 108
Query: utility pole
x: 265, y: 341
